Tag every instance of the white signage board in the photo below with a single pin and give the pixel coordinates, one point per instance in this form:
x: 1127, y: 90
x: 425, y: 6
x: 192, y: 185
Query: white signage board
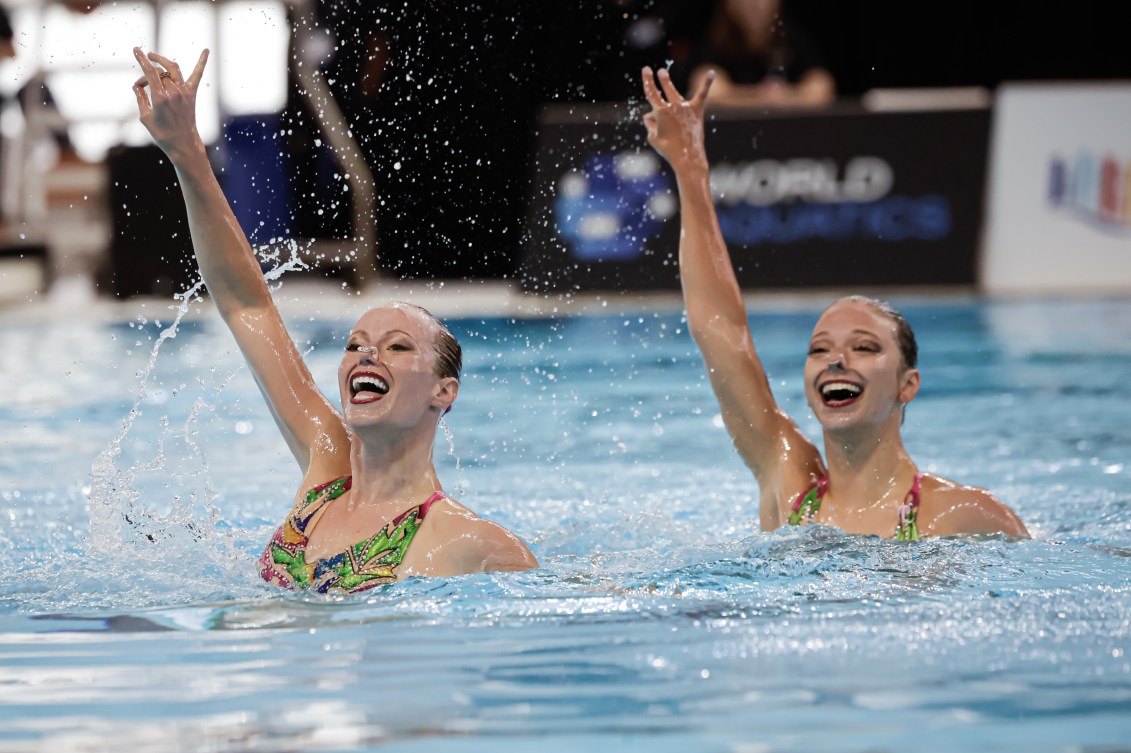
x: 1058, y: 218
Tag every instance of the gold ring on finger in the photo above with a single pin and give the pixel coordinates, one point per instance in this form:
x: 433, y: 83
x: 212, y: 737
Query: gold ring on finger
x: 166, y: 74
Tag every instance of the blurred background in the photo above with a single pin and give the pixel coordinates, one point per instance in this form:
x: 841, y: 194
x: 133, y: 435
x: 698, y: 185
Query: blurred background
x: 501, y: 140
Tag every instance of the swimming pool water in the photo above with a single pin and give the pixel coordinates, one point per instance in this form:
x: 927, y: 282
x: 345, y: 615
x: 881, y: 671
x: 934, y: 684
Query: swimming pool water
x: 132, y: 617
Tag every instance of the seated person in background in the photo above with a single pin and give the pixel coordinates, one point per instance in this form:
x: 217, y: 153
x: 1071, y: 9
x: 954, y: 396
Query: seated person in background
x: 37, y: 103
x: 7, y: 42
x: 859, y: 377
x: 759, y: 59
x: 370, y: 509
x: 7, y: 52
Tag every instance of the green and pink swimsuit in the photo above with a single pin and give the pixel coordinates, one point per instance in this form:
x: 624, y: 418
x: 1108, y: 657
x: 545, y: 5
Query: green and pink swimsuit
x: 907, y: 529
x: 366, y: 564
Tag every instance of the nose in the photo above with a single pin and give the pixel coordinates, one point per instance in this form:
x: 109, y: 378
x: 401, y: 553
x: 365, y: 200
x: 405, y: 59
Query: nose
x: 368, y: 353
x: 836, y: 362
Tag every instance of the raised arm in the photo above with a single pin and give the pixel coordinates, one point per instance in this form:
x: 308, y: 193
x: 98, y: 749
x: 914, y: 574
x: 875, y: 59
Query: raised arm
x: 308, y: 421
x: 716, y: 313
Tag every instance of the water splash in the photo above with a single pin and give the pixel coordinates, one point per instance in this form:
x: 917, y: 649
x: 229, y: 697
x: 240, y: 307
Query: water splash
x: 451, y: 441
x: 113, y: 496
x: 270, y: 254
x: 123, y: 518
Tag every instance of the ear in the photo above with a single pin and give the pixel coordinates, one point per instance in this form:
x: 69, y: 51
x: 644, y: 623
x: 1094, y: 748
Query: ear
x: 445, y: 393
x: 909, y: 386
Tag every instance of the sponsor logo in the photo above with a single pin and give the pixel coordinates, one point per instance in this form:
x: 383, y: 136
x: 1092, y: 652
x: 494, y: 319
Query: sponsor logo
x: 612, y: 206
x: 782, y: 202
x: 1097, y: 191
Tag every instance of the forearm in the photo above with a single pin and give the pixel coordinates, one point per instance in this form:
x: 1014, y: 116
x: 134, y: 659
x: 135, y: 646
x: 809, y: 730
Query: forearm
x: 710, y: 288
x: 227, y: 263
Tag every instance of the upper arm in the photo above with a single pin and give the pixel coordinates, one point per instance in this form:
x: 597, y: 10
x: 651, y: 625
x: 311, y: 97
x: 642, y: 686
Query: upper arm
x: 502, y: 550
x: 968, y: 510
x: 765, y: 437
x: 488, y: 547
x: 307, y: 420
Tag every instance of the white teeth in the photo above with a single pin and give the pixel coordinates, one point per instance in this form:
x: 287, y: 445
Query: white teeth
x: 368, y: 381
x: 850, y: 389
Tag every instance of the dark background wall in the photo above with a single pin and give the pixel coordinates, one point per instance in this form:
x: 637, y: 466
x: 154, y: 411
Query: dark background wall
x: 443, y: 96
x: 901, y: 44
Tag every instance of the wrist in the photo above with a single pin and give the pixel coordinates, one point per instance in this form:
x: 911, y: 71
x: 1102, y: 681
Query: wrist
x: 692, y: 168
x: 185, y: 155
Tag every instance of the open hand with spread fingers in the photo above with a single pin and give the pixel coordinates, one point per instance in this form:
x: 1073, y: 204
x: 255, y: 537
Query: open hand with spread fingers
x: 675, y: 124
x: 166, y: 101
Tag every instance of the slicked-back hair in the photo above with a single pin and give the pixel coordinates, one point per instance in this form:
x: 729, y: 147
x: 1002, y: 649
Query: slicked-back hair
x: 904, y: 335
x: 449, y: 354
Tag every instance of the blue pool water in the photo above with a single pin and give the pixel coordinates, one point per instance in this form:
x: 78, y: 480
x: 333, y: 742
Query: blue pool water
x: 132, y: 618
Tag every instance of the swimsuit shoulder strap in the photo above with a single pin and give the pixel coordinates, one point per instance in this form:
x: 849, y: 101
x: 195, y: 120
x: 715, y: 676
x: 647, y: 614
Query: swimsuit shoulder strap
x: 316, y: 500
x: 908, y: 527
x: 330, y: 489
x: 421, y: 510
x: 436, y: 497
x: 808, y: 502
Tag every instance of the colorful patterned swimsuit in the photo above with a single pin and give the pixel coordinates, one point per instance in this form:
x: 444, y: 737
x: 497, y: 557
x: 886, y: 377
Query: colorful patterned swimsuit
x: 809, y: 501
x: 368, y: 563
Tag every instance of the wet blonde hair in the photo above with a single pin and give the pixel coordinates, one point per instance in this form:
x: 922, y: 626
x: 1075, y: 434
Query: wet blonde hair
x: 449, y: 354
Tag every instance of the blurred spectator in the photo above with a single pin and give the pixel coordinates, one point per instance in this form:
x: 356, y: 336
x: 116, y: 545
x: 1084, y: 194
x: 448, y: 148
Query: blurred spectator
x: 7, y: 52
x: 82, y: 6
x: 7, y: 47
x: 760, y: 59
x: 34, y: 96
x: 634, y: 33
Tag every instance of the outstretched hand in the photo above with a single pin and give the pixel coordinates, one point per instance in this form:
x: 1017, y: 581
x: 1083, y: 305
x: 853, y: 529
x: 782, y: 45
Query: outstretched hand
x: 675, y: 124
x: 168, y: 108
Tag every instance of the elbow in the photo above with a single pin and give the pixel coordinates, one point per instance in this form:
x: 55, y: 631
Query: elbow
x: 702, y: 324
x: 717, y: 329
x: 697, y: 331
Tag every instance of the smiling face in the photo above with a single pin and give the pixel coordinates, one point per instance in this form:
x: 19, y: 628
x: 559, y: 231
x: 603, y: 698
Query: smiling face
x: 388, y: 372
x: 855, y: 373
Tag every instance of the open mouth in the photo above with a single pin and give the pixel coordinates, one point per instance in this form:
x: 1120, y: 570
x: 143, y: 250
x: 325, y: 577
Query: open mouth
x: 367, y: 388
x: 840, y: 394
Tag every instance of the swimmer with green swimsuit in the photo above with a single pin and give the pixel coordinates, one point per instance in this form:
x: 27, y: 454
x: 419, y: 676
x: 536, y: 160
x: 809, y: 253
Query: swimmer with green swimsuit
x: 860, y: 375
x: 398, y: 375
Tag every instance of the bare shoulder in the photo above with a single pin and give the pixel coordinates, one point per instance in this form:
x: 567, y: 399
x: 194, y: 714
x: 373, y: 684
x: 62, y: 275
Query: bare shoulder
x: 948, y: 508
x: 472, y: 544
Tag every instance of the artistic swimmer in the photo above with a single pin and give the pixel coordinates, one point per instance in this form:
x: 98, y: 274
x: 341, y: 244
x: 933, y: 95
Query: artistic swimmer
x: 370, y: 509
x: 860, y: 375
